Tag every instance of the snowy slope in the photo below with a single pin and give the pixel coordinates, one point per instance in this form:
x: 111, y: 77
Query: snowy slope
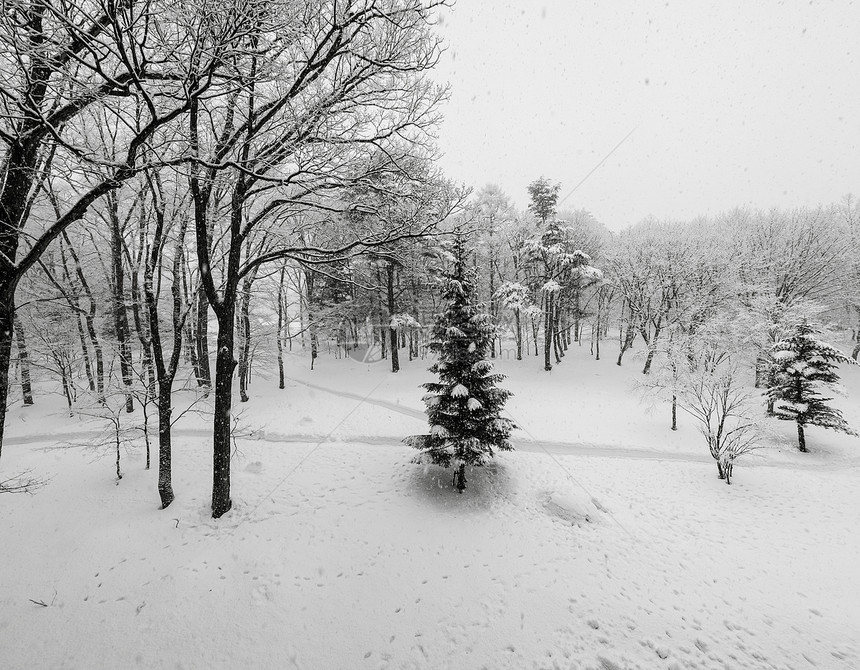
x: 623, y: 552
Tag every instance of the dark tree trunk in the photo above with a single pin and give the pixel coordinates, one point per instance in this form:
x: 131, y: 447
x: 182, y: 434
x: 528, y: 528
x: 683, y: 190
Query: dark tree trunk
x: 120, y: 315
x: 392, y: 310
x: 856, y: 352
x: 89, y: 318
x: 85, y: 351
x: 165, y: 442
x: 165, y: 373
x: 279, y: 334
x: 801, y: 438
x: 460, y: 478
x: 24, y: 363
x: 245, y: 336
x: 201, y: 332
x: 649, y: 359
x: 7, y: 317
x: 629, y: 335
x: 519, y: 335
x: 674, y: 412
x: 224, y: 366
x: 548, y: 333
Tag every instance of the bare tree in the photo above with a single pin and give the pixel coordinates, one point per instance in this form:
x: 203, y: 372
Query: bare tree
x: 58, y: 59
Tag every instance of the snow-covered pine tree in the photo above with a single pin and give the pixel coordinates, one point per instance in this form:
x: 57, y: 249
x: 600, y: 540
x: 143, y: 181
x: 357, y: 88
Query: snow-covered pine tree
x: 802, y: 366
x: 464, y: 406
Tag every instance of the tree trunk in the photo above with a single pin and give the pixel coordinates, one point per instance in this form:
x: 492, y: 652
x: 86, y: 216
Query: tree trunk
x: 856, y: 351
x: 224, y: 366
x: 519, y: 335
x: 548, y: 333
x: 312, y: 326
x: 166, y: 373
x: 85, y: 351
x: 674, y: 412
x: 120, y: 315
x: 7, y: 316
x: 244, y: 329
x: 460, y: 478
x: 648, y: 360
x: 392, y: 331
x: 279, y: 335
x: 801, y: 438
x: 201, y: 331
x: 89, y: 316
x: 629, y: 335
x: 24, y: 363
x: 165, y: 443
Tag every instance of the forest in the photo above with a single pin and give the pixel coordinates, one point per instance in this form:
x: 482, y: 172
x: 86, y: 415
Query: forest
x: 199, y: 199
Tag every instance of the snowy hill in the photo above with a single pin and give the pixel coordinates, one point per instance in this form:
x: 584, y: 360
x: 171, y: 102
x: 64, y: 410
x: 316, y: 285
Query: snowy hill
x: 605, y: 541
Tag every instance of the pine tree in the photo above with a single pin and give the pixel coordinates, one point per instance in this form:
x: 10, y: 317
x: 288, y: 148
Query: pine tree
x: 802, y: 366
x: 464, y: 406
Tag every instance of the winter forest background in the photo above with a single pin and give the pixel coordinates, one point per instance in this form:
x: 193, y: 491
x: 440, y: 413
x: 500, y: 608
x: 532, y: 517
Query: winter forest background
x: 228, y: 261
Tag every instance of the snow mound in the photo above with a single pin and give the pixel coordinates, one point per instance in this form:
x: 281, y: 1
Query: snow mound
x: 572, y: 506
x: 254, y: 467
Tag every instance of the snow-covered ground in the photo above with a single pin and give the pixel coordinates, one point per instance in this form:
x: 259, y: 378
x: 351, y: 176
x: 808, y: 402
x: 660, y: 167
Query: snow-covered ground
x: 606, y: 541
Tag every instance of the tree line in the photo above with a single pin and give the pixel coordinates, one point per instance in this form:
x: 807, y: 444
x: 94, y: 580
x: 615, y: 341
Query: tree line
x: 269, y: 169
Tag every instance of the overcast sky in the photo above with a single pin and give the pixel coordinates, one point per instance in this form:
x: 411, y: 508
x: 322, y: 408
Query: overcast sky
x: 730, y: 103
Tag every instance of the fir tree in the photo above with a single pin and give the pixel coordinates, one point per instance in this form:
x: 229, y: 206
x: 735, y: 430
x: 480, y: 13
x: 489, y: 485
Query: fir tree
x: 464, y: 406
x: 803, y: 366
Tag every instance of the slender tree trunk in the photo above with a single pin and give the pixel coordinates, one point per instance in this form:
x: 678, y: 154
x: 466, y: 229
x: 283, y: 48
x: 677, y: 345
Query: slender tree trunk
x: 652, y: 346
x: 801, y: 438
x: 245, y: 335
x: 24, y: 364
x: 89, y: 317
x: 519, y: 334
x: 674, y: 412
x: 392, y: 310
x: 201, y: 331
x: 120, y: 315
x: 280, y: 331
x: 309, y: 312
x: 548, y: 333
x: 630, y: 334
x: 85, y: 352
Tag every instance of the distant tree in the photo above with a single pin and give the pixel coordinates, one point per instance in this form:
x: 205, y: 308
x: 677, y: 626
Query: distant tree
x: 803, y: 365
x: 464, y: 406
x: 544, y: 197
x: 515, y: 297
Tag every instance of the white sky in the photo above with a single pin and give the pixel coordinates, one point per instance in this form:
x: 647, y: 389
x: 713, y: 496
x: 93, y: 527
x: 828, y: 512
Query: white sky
x: 734, y: 103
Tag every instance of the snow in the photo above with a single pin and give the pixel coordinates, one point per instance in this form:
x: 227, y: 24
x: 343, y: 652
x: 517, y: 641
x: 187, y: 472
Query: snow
x: 604, y: 541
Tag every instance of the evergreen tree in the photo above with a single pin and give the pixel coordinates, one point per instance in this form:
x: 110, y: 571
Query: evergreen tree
x: 464, y: 406
x: 802, y: 366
